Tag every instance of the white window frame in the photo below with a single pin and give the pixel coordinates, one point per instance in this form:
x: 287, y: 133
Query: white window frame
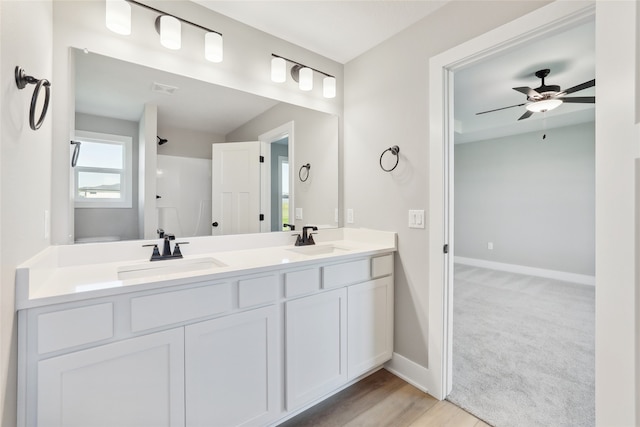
x: 126, y: 174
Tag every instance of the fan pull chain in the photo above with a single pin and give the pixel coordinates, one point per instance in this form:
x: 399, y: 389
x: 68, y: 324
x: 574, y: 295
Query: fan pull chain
x: 544, y: 125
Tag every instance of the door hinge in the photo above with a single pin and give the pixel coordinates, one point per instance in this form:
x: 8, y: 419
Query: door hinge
x: 261, y: 217
x: 261, y: 159
x: 445, y: 249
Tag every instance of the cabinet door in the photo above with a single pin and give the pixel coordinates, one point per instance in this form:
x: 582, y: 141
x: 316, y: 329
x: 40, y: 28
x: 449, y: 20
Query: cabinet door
x: 370, y: 325
x: 133, y: 383
x: 232, y: 370
x: 316, y: 344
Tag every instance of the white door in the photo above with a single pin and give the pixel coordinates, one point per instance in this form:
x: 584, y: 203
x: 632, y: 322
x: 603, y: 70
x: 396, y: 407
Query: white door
x: 133, y: 383
x: 235, y: 198
x: 232, y: 370
x: 316, y: 350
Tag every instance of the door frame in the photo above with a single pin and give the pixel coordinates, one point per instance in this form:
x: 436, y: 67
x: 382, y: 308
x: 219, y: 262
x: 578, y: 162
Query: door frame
x: 547, y: 20
x: 286, y: 129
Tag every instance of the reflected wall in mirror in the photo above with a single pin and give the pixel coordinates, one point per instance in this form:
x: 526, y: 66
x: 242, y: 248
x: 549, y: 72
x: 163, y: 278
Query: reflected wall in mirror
x: 173, y: 122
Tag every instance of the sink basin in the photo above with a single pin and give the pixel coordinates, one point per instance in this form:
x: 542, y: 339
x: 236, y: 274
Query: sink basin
x: 173, y: 266
x: 318, y: 250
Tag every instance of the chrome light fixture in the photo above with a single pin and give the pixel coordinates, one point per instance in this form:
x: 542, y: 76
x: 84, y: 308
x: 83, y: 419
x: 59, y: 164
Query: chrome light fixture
x: 118, y: 17
x: 118, y: 20
x: 301, y: 74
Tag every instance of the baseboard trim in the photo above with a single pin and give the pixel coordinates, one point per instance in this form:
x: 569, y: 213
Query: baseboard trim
x: 582, y: 279
x: 410, y: 371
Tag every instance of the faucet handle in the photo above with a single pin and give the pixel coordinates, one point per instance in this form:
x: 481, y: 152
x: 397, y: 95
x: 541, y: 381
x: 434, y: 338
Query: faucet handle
x: 176, y: 249
x: 156, y: 252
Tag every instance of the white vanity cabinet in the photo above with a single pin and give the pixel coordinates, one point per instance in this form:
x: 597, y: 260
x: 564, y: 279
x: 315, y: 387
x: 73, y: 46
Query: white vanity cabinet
x: 232, y: 370
x: 247, y: 348
x: 132, y: 383
x: 316, y: 337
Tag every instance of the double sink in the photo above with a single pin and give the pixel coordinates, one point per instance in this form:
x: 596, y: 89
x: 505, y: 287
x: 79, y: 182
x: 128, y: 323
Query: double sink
x: 184, y: 265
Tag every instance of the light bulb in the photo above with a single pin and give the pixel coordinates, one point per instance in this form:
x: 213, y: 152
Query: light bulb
x: 213, y: 47
x: 170, y: 32
x: 118, y: 16
x: 306, y: 79
x: 543, y: 105
x: 329, y: 87
x: 278, y: 70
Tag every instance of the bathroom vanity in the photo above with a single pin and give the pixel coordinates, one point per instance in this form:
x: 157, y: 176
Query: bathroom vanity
x: 244, y: 330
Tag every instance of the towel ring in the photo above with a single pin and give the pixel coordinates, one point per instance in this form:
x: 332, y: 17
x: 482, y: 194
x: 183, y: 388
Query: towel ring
x: 21, y: 81
x: 306, y: 177
x: 394, y: 150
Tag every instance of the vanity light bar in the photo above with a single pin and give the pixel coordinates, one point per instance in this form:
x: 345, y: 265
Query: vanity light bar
x: 302, y: 74
x: 118, y: 20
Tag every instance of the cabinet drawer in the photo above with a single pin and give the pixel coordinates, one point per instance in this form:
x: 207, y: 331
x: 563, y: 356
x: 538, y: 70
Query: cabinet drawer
x: 345, y: 273
x: 77, y: 326
x: 261, y: 290
x: 382, y: 266
x: 153, y: 311
x: 301, y: 282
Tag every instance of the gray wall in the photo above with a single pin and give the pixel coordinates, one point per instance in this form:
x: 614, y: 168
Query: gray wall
x: 187, y: 142
x: 100, y: 222
x: 533, y: 198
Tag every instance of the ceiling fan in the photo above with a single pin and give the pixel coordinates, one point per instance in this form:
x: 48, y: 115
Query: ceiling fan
x: 546, y: 98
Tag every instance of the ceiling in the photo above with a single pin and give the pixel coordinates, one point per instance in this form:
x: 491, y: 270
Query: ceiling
x: 570, y: 55
x: 338, y: 30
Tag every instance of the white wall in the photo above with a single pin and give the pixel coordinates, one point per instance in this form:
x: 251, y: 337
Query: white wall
x: 25, y: 168
x: 186, y: 142
x: 534, y: 199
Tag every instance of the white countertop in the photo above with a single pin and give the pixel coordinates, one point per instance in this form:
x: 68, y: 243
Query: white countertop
x: 71, y: 273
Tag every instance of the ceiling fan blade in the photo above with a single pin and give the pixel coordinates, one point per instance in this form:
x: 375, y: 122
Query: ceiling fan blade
x: 528, y: 91
x: 526, y: 115
x: 503, y: 108
x: 580, y: 99
x: 581, y: 86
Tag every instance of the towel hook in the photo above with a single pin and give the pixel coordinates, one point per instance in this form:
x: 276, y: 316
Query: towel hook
x: 22, y: 79
x: 307, y: 167
x: 394, y: 150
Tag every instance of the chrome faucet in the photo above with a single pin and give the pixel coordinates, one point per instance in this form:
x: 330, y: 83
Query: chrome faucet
x: 166, y: 248
x: 306, y: 239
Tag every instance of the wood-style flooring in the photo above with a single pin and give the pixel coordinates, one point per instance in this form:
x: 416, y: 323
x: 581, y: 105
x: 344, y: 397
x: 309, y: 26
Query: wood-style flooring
x: 384, y: 400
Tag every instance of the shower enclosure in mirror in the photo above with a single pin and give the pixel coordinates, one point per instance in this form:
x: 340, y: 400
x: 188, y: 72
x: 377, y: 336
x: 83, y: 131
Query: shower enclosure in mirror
x: 172, y: 170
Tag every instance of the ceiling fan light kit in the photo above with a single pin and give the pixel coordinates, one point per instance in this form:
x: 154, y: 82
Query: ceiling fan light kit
x: 548, y: 97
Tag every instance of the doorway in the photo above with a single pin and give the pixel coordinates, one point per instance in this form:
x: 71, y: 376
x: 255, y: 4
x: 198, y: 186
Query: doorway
x: 554, y: 18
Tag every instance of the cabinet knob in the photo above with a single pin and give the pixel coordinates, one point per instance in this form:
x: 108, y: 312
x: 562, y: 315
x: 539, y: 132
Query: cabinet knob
x: 214, y: 224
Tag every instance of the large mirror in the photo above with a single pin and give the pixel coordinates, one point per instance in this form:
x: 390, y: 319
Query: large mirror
x: 159, y: 150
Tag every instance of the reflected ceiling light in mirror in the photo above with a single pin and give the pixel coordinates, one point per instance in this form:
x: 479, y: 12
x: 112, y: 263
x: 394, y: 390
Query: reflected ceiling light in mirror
x: 278, y: 69
x: 118, y: 16
x: 213, y: 47
x: 170, y: 31
x: 301, y: 74
x: 329, y: 87
x: 118, y: 20
x: 543, y: 105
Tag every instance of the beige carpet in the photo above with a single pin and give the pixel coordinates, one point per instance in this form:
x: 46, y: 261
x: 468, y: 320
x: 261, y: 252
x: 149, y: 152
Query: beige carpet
x: 523, y: 349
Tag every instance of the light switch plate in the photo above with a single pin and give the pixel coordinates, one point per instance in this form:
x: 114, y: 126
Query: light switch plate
x: 416, y: 218
x: 298, y: 213
x: 350, y: 216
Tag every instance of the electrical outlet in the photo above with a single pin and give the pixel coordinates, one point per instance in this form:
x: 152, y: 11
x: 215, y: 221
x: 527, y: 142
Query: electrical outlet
x: 490, y: 246
x: 350, y: 216
x: 299, y: 213
x: 335, y: 215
